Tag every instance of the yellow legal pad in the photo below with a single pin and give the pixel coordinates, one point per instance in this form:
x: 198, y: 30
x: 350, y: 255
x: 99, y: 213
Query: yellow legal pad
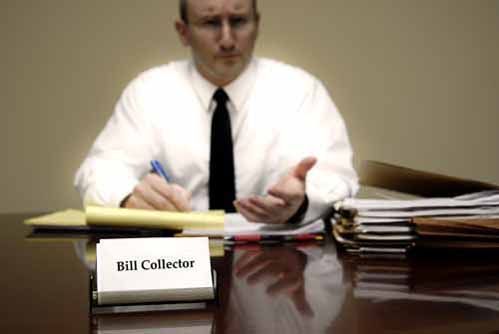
x: 67, y: 218
x: 119, y: 217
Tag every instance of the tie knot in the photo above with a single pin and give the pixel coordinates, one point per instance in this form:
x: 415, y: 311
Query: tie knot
x: 220, y: 96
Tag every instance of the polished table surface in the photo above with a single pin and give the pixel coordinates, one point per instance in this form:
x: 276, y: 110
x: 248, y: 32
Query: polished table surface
x: 292, y: 288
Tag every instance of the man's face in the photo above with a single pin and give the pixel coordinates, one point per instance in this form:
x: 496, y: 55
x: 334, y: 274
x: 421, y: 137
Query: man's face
x: 222, y: 35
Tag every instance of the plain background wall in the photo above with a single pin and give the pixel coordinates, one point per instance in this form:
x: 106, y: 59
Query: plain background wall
x: 416, y: 80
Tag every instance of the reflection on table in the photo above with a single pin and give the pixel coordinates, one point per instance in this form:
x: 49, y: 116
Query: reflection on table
x: 290, y: 289
x: 296, y: 288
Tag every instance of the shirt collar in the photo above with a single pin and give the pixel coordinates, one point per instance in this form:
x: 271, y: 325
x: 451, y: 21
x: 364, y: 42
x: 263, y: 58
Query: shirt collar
x: 238, y: 90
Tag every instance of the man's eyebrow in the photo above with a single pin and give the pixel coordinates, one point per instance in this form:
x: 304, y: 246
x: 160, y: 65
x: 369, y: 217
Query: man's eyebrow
x: 208, y: 17
x: 218, y: 16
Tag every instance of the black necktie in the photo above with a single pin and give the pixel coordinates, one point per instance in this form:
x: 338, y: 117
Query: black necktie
x: 222, y: 183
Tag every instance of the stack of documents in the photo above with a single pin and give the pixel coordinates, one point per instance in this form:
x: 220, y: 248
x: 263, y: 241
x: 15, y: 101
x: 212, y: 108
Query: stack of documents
x: 394, y: 226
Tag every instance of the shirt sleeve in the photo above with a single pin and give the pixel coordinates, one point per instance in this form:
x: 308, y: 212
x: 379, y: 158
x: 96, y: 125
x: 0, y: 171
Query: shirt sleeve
x: 120, y: 156
x: 317, y: 129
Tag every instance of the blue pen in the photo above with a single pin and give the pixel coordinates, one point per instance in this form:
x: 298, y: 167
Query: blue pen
x: 158, y: 169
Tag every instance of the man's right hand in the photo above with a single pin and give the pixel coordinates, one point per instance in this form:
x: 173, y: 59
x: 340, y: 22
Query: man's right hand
x: 154, y: 193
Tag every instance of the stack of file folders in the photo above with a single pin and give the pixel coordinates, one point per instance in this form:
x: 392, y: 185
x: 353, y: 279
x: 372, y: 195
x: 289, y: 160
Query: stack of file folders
x: 468, y: 221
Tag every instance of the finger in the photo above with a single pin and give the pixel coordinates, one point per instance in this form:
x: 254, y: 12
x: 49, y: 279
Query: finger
x: 289, y: 189
x: 250, y: 215
x: 260, y: 215
x: 181, y: 198
x: 287, y: 195
x: 256, y: 210
x: 153, y: 179
x: 146, y: 191
x: 174, y: 197
x: 253, y: 217
x: 263, y: 211
x: 269, y: 204
x: 300, y: 171
x: 274, y: 207
x: 135, y: 202
x: 160, y: 202
x: 247, y: 215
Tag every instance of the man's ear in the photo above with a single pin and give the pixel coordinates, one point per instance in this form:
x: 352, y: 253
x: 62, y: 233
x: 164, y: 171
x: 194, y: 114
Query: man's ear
x: 183, y: 32
x: 257, y: 22
x: 257, y: 18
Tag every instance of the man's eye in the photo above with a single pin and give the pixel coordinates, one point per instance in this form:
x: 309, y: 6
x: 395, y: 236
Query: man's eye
x: 238, y: 21
x: 211, y: 23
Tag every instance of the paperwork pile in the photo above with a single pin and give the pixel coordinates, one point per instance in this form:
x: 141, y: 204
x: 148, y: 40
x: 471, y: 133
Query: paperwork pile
x: 468, y: 221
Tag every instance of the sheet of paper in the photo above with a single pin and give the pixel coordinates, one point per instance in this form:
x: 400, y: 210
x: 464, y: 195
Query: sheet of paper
x: 474, y: 200
x: 236, y: 224
x: 433, y: 212
x: 101, y: 216
x: 66, y: 218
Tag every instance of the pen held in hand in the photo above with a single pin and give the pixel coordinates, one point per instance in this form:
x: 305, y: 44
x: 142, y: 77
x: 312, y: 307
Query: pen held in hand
x: 158, y: 169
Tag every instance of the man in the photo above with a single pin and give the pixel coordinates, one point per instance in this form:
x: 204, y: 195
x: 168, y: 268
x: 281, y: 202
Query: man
x: 286, y: 153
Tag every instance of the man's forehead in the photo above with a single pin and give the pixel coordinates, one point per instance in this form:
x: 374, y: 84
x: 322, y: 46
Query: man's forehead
x: 215, y: 7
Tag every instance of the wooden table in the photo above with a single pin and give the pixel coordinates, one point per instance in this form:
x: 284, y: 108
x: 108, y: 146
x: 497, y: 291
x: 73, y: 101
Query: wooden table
x: 293, y: 288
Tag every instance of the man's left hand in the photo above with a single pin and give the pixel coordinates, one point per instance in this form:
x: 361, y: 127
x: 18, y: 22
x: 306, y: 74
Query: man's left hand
x: 283, y: 199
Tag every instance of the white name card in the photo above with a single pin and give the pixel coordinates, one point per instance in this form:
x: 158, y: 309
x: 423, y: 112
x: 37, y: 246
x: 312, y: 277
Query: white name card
x: 143, y: 270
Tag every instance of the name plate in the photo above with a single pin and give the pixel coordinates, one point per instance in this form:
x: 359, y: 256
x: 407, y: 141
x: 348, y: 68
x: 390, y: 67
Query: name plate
x: 147, y: 270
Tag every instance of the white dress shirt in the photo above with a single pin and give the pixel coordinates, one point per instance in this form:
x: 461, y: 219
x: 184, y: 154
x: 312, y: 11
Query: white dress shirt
x: 279, y: 113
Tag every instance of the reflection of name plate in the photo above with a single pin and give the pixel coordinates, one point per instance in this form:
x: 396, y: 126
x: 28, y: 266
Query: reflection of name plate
x: 152, y: 270
x: 192, y: 322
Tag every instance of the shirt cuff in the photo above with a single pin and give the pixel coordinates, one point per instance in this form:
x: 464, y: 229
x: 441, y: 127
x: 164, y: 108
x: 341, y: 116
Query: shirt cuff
x: 110, y: 194
x: 300, y: 213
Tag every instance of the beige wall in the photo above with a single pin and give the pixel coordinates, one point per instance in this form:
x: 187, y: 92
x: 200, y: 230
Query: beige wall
x: 416, y: 81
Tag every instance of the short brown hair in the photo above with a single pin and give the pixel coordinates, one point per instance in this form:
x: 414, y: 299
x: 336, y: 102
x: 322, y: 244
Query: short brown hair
x: 183, y: 9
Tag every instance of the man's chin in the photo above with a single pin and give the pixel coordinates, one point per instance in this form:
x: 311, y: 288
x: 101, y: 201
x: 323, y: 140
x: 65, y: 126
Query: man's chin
x: 230, y: 61
x: 230, y: 71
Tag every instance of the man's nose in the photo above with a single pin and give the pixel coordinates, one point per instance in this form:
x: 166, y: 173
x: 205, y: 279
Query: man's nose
x: 227, y: 41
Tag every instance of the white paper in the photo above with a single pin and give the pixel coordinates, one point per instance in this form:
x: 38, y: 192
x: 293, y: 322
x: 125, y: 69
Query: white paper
x: 474, y: 200
x: 236, y: 224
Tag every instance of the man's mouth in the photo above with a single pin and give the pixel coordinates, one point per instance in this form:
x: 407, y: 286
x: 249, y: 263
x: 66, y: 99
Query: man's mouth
x: 228, y: 56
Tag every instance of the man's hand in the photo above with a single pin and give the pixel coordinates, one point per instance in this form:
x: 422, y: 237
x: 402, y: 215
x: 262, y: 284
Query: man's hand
x: 283, y: 199
x: 154, y: 193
